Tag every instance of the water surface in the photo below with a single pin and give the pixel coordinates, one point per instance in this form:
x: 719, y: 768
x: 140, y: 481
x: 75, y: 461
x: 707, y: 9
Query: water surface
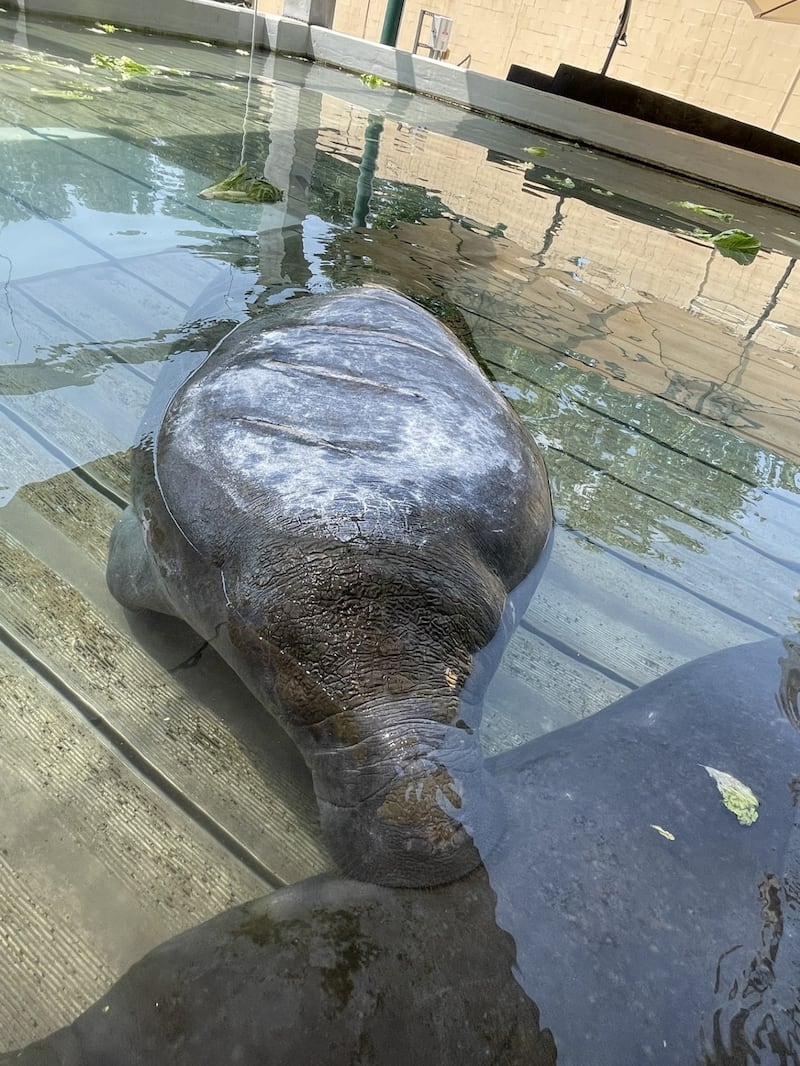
x: 659, y: 377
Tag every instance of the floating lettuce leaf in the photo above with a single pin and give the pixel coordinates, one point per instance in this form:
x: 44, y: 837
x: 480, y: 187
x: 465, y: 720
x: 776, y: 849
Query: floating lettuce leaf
x: 121, y: 64
x: 664, y: 832
x: 56, y: 64
x: 131, y: 68
x: 602, y: 192
x: 736, y: 796
x: 565, y: 183
x: 732, y: 243
x: 534, y: 150
x: 240, y: 187
x: 107, y: 27
x: 373, y: 81
x: 736, y: 240
x: 696, y: 234
x: 699, y: 209
x: 61, y: 94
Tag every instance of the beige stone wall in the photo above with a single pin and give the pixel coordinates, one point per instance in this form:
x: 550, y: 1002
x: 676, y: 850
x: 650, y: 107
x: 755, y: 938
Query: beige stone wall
x: 712, y: 53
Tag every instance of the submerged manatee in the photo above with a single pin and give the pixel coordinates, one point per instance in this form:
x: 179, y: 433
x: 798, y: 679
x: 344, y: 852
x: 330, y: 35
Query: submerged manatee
x: 647, y: 923
x: 340, y: 500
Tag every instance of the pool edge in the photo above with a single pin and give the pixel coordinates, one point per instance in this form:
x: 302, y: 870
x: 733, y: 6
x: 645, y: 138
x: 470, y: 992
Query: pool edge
x: 719, y: 165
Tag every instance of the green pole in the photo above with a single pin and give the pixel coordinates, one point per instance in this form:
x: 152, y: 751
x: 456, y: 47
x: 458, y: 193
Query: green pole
x: 391, y: 22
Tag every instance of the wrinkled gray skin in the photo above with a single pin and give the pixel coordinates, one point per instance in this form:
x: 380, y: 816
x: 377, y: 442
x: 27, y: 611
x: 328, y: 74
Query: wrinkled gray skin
x: 632, y: 948
x: 341, y: 502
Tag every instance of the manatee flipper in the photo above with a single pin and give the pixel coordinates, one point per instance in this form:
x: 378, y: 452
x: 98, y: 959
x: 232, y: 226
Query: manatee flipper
x: 131, y: 575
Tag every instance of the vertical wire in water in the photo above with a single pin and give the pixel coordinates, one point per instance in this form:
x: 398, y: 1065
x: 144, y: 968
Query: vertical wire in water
x: 249, y: 81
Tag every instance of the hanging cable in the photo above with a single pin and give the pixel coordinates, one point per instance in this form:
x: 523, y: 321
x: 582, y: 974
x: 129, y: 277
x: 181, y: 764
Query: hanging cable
x: 249, y: 80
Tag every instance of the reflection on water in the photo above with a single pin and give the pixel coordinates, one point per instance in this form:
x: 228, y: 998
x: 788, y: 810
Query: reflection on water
x: 591, y: 427
x: 789, y: 688
x: 660, y: 378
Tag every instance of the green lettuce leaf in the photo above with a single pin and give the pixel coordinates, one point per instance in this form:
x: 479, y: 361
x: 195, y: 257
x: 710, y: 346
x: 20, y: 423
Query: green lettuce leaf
x: 373, y: 81
x: 241, y: 187
x: 736, y: 796
x: 699, y: 209
x: 736, y: 240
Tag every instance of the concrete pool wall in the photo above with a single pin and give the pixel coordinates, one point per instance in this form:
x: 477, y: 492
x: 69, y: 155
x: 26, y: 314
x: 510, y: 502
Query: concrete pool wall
x: 718, y: 165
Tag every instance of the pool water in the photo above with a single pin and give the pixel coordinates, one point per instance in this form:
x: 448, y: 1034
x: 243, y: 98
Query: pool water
x: 660, y: 377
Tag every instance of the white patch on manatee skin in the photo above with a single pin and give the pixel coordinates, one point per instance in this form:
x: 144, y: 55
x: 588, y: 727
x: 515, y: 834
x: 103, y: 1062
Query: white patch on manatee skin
x: 348, y: 428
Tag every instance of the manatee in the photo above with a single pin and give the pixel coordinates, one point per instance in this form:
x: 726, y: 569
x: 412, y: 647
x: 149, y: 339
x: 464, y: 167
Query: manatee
x: 328, y: 971
x: 343, y: 504
x: 634, y: 912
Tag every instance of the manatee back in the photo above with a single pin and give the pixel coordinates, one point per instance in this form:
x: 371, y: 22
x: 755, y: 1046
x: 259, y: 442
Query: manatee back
x: 347, y: 417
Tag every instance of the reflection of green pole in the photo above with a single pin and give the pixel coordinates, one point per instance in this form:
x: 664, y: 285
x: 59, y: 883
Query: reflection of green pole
x: 366, y: 171
x: 391, y: 22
